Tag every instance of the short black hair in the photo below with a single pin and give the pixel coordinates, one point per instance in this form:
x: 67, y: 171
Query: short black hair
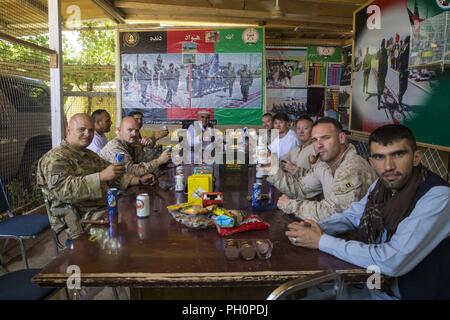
x: 97, y: 113
x: 390, y: 133
x: 267, y: 114
x: 332, y: 121
x: 281, y: 116
x: 133, y: 113
x: 304, y: 117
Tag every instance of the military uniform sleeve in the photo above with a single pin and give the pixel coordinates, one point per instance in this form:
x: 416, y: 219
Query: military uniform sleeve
x: 141, y: 168
x: 125, y: 181
x: 137, y: 169
x: 66, y: 187
x: 305, y: 187
x: 347, y: 188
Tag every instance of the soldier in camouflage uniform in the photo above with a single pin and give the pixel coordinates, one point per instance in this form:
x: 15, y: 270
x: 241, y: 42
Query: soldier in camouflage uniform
x: 246, y: 81
x: 297, y: 160
x: 74, y: 179
x: 341, y: 175
x: 127, y: 142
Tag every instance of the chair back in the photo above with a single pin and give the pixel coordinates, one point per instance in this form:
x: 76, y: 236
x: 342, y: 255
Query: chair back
x: 294, y: 286
x: 4, y: 203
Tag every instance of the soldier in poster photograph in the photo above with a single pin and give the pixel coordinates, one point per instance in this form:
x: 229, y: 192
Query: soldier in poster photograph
x: 219, y: 80
x: 395, y: 66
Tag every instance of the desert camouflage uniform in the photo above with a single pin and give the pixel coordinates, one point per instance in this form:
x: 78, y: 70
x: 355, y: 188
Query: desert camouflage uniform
x: 299, y: 155
x: 134, y: 156
x: 70, y: 182
x: 346, y: 182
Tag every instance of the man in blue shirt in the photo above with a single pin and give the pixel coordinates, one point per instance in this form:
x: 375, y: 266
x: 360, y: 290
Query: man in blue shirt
x: 402, y: 225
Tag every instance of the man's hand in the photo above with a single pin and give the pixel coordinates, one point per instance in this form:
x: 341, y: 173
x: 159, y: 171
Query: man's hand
x: 111, y: 172
x: 288, y: 166
x: 282, y: 201
x: 163, y: 158
x: 270, y: 168
x: 313, y: 159
x: 148, y: 179
x: 305, y: 234
x: 161, y: 134
x: 147, y: 142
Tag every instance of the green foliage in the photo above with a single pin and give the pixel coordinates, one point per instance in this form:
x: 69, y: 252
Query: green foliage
x: 14, y: 52
x: 24, y: 198
x: 96, y: 49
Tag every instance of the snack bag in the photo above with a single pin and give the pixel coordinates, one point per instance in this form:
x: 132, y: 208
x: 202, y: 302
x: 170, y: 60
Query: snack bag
x: 251, y: 222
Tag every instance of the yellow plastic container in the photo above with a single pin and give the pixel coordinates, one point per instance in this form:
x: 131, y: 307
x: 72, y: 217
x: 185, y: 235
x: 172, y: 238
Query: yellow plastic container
x: 198, y: 183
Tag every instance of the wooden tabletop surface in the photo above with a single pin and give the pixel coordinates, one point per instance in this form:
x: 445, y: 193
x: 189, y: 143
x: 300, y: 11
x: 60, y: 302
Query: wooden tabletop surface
x: 161, y: 253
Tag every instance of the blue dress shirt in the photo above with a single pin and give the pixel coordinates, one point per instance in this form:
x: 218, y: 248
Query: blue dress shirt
x: 416, y: 236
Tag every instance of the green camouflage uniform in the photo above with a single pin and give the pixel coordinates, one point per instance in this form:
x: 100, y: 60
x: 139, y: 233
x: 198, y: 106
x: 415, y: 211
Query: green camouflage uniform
x: 134, y: 157
x: 347, y: 182
x: 70, y: 182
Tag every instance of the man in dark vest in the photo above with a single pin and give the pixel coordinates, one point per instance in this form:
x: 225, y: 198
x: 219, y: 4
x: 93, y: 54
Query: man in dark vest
x: 401, y: 226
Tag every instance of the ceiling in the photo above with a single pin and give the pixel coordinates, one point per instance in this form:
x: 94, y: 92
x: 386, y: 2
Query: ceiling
x: 297, y: 22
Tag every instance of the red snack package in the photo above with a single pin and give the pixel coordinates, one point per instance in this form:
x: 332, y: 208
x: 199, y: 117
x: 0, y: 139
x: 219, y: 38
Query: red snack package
x: 252, y: 222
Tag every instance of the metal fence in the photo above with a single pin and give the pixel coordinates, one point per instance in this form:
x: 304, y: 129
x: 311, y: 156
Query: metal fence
x: 25, y: 125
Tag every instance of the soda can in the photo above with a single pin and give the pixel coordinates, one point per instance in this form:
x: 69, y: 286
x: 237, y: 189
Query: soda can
x: 119, y: 158
x: 179, y: 197
x: 256, y: 194
x: 143, y: 205
x: 179, y: 183
x: 111, y: 197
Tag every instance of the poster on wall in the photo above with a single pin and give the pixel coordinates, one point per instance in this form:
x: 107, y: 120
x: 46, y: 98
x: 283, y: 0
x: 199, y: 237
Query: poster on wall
x: 170, y: 75
x: 285, y: 67
x: 293, y: 102
x: 401, y: 71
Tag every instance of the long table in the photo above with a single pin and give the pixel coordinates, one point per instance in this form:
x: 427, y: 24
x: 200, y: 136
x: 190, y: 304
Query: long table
x: 159, y: 258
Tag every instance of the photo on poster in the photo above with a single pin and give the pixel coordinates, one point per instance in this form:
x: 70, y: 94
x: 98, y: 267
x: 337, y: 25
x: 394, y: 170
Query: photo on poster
x: 338, y: 104
x: 207, y: 80
x: 286, y: 67
x: 293, y: 102
x: 169, y: 74
x: 211, y: 36
x: 189, y: 47
x: 189, y: 58
x: 398, y: 66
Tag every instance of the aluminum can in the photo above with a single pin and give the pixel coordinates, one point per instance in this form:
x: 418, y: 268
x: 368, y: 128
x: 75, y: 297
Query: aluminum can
x: 111, y: 197
x: 143, y: 205
x: 179, y: 183
x: 256, y: 194
x: 119, y: 158
x: 179, y: 197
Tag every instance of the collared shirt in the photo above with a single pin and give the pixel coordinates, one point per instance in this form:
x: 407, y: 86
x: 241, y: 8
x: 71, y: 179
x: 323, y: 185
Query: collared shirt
x: 281, y: 146
x: 416, y: 236
x: 195, y: 134
x: 299, y: 156
x: 98, y: 142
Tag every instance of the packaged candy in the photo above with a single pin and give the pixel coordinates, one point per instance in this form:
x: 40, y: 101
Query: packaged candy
x: 252, y: 222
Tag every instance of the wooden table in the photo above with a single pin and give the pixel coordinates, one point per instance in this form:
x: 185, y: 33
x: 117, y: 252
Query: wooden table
x: 160, y: 258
